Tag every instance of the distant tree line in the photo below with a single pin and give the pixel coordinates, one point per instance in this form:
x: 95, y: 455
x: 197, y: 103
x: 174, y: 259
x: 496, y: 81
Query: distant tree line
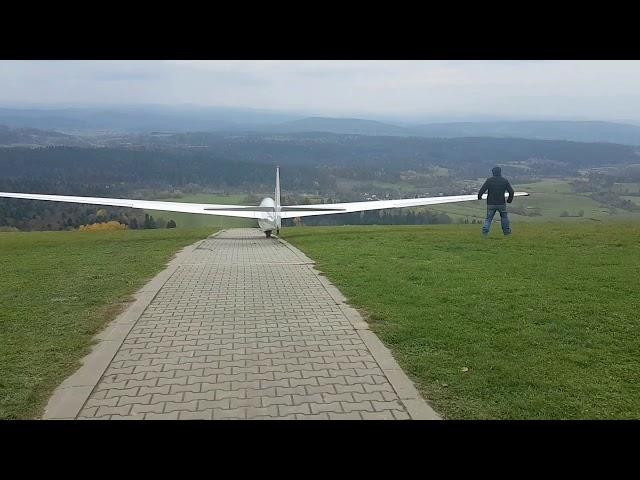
x: 26, y: 215
x: 363, y: 154
x: 312, y: 163
x: 374, y: 217
x: 127, y: 167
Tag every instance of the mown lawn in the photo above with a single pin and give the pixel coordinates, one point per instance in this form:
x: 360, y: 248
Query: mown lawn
x: 57, y: 290
x: 546, y: 323
x: 551, y: 199
x: 191, y: 220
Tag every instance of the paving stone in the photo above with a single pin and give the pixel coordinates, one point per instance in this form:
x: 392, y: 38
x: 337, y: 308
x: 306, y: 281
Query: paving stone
x: 200, y: 415
x: 163, y: 390
x: 161, y: 416
x: 123, y: 410
x: 293, y: 409
x: 139, y: 416
x: 155, y: 408
x: 279, y: 400
x: 181, y: 406
x: 393, y: 405
x: 298, y: 399
x: 358, y: 388
x: 237, y: 413
x: 398, y: 415
x: 386, y: 415
x: 357, y: 406
x: 345, y: 416
x: 244, y: 328
x: 139, y: 399
x: 262, y: 412
x: 327, y: 407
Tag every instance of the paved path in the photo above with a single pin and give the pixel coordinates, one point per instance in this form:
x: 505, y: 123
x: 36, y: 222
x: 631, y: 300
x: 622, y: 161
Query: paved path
x: 245, y: 328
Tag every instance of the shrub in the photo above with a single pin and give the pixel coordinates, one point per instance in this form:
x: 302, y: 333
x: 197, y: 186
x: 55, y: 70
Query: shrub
x: 103, y: 227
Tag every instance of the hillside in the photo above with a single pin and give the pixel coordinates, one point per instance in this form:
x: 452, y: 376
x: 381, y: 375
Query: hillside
x: 58, y: 290
x: 542, y: 325
x: 544, y: 130
x: 34, y: 137
x: 591, y: 132
x: 138, y: 118
x: 351, y: 126
x: 142, y: 119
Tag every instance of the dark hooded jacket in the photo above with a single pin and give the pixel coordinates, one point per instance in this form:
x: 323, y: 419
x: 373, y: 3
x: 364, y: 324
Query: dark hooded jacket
x: 497, y: 186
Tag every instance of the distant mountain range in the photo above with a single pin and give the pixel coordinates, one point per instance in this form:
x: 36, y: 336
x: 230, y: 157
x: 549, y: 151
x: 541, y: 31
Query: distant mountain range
x: 32, y: 136
x: 139, y: 118
x: 600, y: 132
x: 134, y: 119
x: 540, y: 130
x: 344, y: 126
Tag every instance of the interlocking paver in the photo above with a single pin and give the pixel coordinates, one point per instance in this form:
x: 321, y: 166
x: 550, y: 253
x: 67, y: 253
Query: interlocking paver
x: 244, y: 328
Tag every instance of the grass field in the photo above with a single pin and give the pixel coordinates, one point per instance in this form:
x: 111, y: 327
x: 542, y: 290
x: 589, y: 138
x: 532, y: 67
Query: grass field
x: 189, y: 220
x: 58, y: 289
x: 551, y: 198
x: 546, y: 321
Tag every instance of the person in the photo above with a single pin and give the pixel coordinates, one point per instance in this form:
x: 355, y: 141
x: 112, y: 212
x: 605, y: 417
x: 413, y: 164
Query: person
x: 497, y: 185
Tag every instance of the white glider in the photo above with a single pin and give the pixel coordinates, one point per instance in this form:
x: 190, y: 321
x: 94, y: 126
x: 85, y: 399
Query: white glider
x: 269, y: 213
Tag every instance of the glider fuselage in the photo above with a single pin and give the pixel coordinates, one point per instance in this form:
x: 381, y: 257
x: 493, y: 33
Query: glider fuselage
x: 270, y: 220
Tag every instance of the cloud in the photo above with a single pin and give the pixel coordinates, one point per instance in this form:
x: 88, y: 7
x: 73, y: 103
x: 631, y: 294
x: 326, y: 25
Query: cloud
x: 589, y: 89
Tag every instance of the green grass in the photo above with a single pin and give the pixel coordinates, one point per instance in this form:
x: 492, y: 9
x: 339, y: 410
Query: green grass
x: 546, y: 321
x: 551, y: 198
x: 632, y: 198
x: 191, y: 220
x: 58, y: 290
x: 631, y: 187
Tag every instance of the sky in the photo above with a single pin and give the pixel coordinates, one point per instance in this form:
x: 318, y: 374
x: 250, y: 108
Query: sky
x: 525, y: 89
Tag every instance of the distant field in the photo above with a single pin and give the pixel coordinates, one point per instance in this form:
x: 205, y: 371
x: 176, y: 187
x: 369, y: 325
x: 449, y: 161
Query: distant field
x: 190, y: 220
x: 623, y: 188
x: 634, y: 199
x: 552, y: 198
x: 546, y: 321
x: 352, y: 184
x: 59, y: 289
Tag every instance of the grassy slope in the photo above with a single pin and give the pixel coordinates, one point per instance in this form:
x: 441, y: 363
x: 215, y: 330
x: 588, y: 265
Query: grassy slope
x: 546, y: 321
x: 551, y: 198
x: 60, y: 288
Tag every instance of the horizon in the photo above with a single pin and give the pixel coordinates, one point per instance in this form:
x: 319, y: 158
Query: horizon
x: 394, y: 90
x: 299, y: 115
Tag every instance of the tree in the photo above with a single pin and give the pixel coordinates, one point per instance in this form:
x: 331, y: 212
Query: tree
x: 149, y: 222
x: 171, y: 224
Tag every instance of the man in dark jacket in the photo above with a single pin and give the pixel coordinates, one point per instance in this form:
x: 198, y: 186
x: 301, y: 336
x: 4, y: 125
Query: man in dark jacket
x: 497, y: 186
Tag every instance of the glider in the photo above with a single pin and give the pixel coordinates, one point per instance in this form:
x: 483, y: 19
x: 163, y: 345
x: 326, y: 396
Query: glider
x: 269, y: 213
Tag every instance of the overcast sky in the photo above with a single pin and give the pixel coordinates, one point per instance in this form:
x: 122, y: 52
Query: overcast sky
x: 590, y: 90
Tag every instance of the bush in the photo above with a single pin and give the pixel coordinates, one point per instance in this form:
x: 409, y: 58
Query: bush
x: 103, y: 227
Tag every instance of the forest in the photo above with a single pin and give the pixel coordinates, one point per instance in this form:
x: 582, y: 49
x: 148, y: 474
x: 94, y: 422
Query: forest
x: 167, y: 165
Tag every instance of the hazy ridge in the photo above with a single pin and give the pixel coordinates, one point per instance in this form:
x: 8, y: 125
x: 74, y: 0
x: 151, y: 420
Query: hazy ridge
x: 133, y: 119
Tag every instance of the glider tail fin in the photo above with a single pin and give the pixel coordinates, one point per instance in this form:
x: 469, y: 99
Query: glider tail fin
x: 277, y: 199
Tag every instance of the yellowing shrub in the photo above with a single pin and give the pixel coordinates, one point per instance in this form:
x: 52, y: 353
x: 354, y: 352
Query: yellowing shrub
x: 103, y: 227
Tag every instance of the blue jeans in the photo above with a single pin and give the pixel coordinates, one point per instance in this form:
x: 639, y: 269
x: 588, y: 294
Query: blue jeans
x: 504, y: 219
